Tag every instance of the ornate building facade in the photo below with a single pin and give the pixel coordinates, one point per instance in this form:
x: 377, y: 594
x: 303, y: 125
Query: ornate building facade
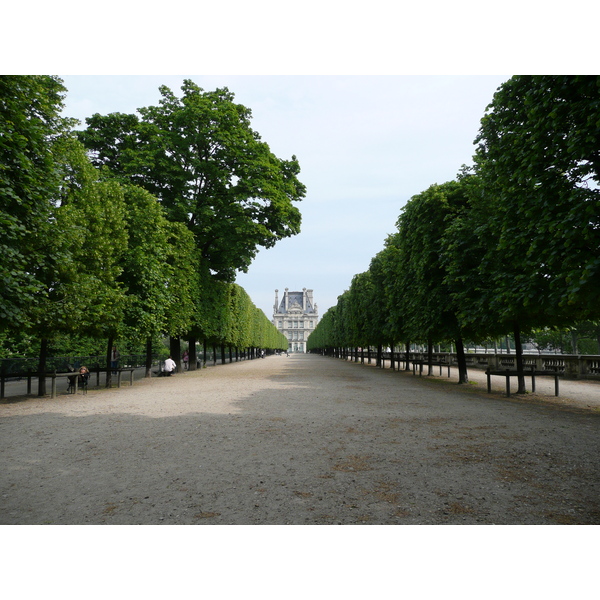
x: 295, y: 316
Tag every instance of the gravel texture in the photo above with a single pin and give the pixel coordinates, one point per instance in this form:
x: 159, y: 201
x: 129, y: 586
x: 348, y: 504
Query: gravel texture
x: 302, y: 440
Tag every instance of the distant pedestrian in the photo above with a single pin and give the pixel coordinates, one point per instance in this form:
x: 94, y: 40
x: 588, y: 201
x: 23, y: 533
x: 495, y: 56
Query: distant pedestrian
x: 114, y: 359
x: 186, y: 357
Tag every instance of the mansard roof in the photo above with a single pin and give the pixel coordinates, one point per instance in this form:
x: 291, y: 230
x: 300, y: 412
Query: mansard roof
x: 295, y: 304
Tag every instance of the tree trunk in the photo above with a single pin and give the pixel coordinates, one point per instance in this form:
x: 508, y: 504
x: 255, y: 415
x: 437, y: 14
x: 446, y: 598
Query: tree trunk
x: 175, y: 349
x: 392, y: 365
x: 406, y: 366
x: 379, y: 353
x: 519, y: 355
x: 429, y: 357
x: 204, y: 347
x: 109, y: 346
x: 42, y: 367
x: 148, y: 357
x: 574, y: 341
x: 463, y: 376
x: 192, y: 356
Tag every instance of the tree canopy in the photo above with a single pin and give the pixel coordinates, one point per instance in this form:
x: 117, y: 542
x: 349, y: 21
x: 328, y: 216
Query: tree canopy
x: 30, y: 124
x: 89, y: 252
x: 538, y: 157
x: 200, y: 157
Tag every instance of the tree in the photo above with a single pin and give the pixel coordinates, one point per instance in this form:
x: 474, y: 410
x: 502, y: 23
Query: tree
x: 324, y: 336
x: 158, y: 271
x: 76, y: 270
x: 539, y: 156
x: 200, y: 157
x: 488, y: 286
x: 538, y: 165
x: 420, y: 283
x: 360, y: 297
x: 30, y: 123
x: 391, y: 321
x: 92, y: 296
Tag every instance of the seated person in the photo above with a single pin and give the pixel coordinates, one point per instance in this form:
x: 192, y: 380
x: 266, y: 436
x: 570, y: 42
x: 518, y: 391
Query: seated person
x: 84, y: 375
x: 170, y: 366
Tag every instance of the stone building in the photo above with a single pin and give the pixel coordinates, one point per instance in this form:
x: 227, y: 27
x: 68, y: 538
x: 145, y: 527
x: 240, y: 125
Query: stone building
x: 295, y: 316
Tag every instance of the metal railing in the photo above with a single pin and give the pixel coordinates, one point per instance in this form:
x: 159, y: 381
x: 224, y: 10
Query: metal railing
x: 570, y: 366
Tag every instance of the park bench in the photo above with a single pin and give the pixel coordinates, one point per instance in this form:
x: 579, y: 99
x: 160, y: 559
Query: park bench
x: 125, y: 369
x: 435, y: 363
x: 73, y: 382
x: 78, y: 381
x: 508, y: 373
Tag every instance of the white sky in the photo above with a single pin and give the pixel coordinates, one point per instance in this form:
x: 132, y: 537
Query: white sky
x: 365, y: 144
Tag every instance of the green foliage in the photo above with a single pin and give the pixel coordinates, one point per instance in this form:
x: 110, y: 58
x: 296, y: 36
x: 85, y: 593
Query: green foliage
x: 200, y: 157
x: 538, y: 159
x: 90, y: 256
x: 324, y: 336
x: 83, y: 290
x: 30, y: 122
x: 419, y: 283
x: 158, y: 269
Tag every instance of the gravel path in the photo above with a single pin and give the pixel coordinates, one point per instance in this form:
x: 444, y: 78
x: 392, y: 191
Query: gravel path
x: 299, y: 440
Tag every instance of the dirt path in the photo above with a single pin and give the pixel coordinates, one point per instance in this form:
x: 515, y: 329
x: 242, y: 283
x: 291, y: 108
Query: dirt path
x: 304, y: 440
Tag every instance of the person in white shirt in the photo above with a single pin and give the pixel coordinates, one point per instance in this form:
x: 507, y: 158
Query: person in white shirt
x: 170, y: 366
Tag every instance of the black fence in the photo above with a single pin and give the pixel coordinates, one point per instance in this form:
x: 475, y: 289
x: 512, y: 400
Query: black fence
x: 18, y: 368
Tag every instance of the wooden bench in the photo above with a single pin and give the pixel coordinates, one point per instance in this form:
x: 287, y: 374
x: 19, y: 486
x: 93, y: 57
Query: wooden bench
x: 508, y: 373
x: 434, y: 363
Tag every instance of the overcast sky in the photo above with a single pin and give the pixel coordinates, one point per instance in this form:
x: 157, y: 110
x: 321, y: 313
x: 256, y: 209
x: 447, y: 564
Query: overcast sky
x: 365, y: 144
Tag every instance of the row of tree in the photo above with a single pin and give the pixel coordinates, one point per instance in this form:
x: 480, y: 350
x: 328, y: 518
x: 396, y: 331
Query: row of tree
x: 510, y: 246
x: 136, y: 226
